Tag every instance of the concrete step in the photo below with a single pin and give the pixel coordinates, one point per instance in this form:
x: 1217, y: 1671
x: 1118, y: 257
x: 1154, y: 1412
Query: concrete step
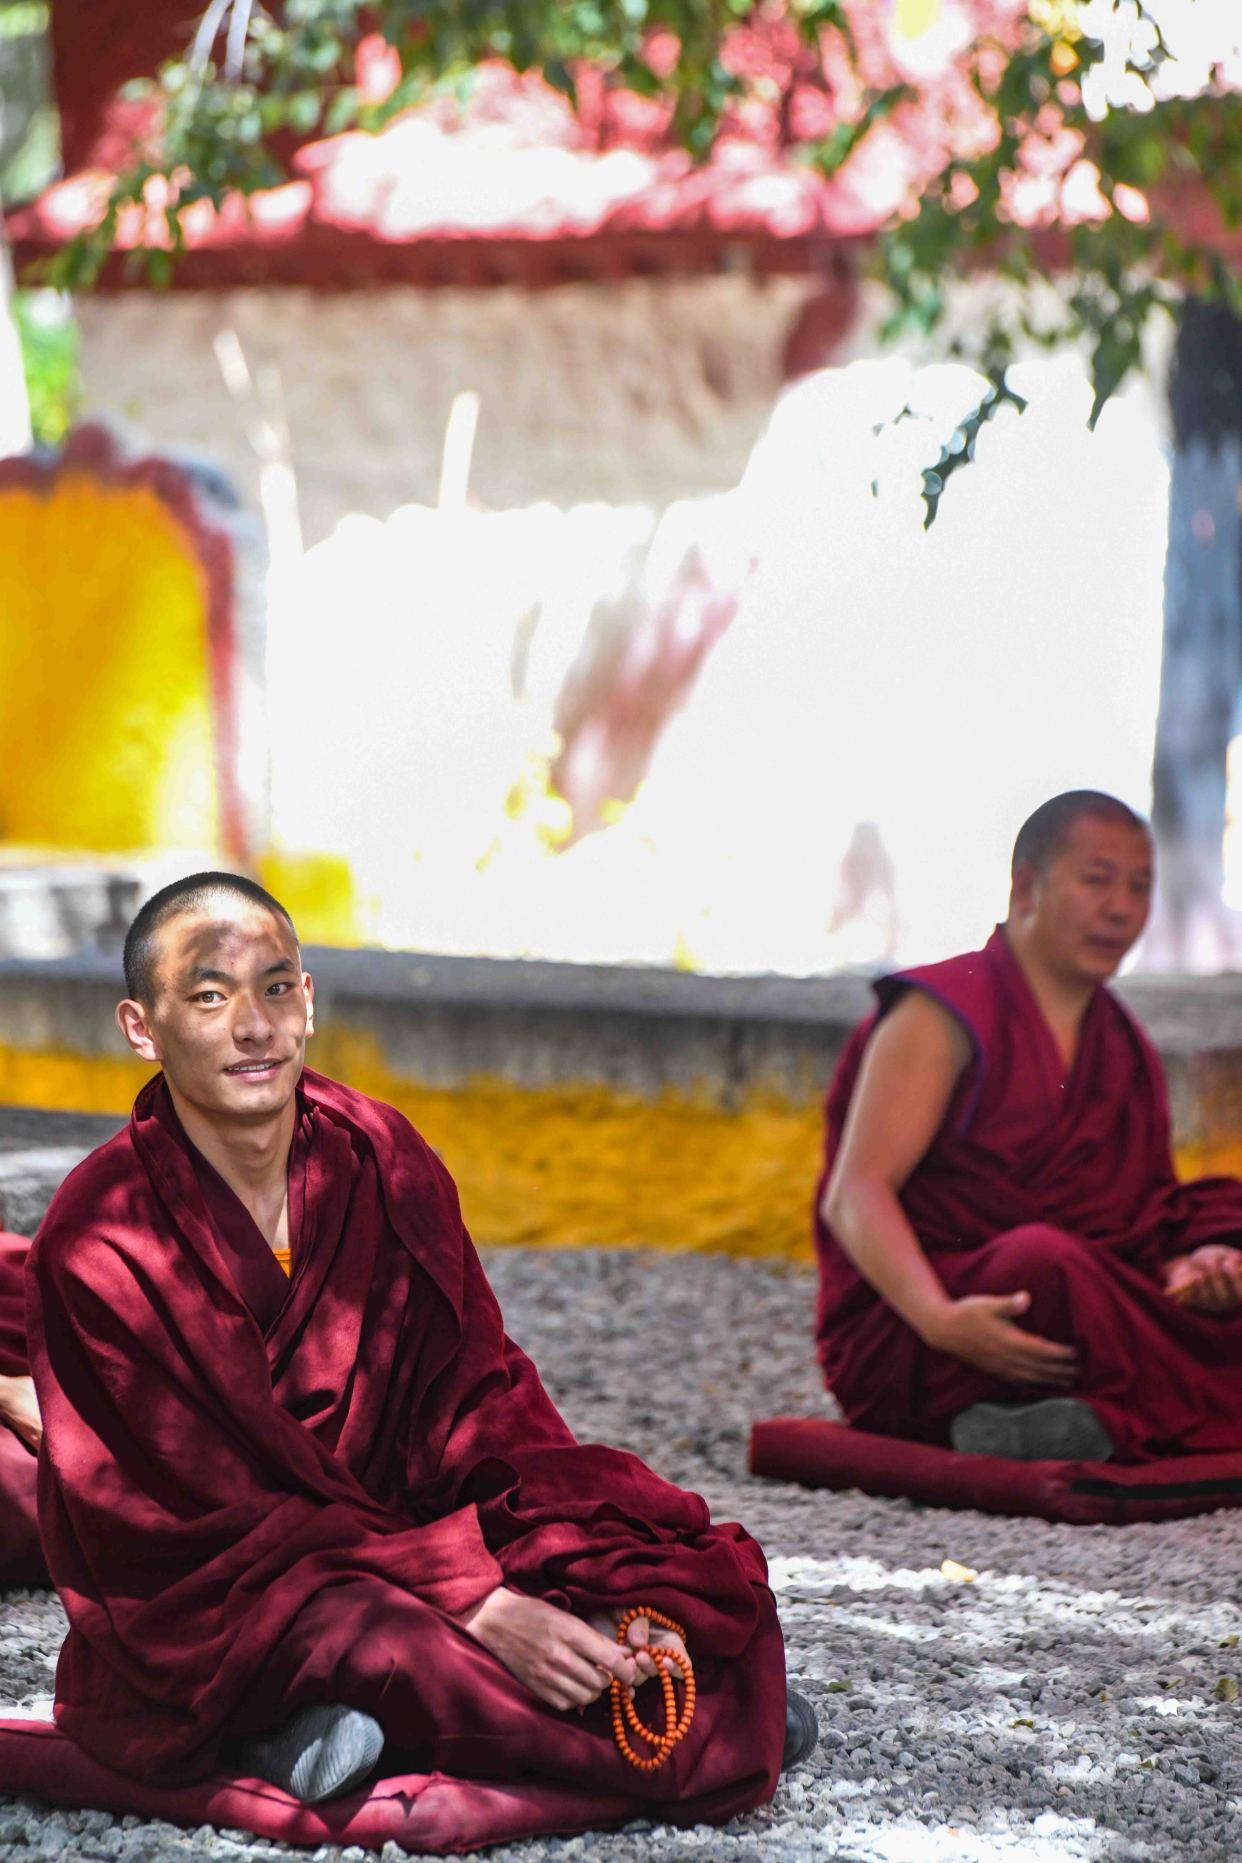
x: 58, y: 911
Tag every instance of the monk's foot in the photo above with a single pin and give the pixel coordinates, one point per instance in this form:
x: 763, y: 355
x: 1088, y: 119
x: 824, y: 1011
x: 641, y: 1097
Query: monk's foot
x: 801, y: 1730
x: 323, y: 1752
x: 1057, y: 1429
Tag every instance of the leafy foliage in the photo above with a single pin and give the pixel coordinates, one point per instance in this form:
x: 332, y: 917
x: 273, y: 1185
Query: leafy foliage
x: 49, y: 343
x: 1052, y: 143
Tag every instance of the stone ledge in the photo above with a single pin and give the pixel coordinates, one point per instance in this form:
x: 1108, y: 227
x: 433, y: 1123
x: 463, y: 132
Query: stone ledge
x: 411, y: 977
x: 1182, y: 1014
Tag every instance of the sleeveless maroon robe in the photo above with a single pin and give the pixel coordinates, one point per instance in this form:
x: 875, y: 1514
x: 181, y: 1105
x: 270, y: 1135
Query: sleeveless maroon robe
x: 259, y: 1491
x: 21, y: 1556
x: 1063, y: 1186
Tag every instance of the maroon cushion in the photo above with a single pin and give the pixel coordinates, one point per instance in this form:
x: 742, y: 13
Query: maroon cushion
x: 427, y: 1812
x: 819, y: 1454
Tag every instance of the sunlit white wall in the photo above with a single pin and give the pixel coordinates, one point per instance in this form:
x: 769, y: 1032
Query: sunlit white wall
x: 935, y: 684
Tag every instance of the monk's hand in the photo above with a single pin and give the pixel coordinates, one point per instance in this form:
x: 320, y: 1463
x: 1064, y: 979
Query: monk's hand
x: 639, y: 1637
x: 19, y: 1408
x: 980, y: 1330
x: 561, y: 1659
x: 1208, y: 1279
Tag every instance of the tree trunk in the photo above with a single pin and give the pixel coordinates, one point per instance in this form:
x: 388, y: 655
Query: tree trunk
x: 1201, y: 671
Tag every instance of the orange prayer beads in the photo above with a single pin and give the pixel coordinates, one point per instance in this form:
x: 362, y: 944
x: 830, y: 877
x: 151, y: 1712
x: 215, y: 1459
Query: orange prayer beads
x: 623, y: 1708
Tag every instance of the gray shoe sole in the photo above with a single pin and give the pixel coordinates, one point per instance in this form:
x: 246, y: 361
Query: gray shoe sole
x: 801, y: 1730
x: 1060, y: 1429
x: 323, y: 1752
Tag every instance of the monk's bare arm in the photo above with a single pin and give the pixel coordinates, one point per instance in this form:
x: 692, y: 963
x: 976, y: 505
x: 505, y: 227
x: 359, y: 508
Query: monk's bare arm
x: 911, y: 1067
x: 908, y: 1077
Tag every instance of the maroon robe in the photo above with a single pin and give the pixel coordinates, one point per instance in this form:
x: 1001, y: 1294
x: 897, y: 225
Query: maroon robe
x: 21, y: 1556
x: 259, y: 1492
x: 1060, y: 1185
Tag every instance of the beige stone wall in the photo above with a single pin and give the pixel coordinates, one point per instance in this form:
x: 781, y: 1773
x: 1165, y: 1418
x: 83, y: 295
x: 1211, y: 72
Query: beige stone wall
x: 646, y: 391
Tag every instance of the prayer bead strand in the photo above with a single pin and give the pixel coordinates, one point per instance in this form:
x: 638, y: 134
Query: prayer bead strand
x: 623, y: 1708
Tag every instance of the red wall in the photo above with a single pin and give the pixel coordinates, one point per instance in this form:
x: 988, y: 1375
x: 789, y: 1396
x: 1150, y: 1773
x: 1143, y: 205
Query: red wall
x: 97, y: 46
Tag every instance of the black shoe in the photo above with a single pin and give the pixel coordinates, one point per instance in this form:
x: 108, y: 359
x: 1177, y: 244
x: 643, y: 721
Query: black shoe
x: 1061, y: 1429
x: 801, y: 1730
x: 323, y: 1752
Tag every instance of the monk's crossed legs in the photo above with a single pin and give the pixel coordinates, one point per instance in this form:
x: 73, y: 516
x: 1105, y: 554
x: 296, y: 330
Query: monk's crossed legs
x: 1080, y: 1296
x: 450, y: 1706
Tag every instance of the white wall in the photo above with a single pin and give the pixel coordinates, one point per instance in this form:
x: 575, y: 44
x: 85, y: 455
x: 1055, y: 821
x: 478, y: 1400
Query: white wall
x: 938, y: 685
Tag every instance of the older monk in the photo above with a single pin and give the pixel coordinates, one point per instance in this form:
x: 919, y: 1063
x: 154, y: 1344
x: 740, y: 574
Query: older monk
x: 301, y: 1495
x: 1007, y: 1261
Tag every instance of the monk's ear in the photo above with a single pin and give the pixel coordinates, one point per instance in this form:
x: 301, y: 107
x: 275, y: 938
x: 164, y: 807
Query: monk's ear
x: 1025, y: 883
x: 131, y: 1019
x: 308, y: 989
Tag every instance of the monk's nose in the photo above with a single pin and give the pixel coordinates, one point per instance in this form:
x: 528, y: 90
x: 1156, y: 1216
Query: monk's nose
x: 252, y: 1022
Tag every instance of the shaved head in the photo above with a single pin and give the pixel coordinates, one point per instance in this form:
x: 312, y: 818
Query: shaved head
x: 198, y: 892
x: 1046, y: 834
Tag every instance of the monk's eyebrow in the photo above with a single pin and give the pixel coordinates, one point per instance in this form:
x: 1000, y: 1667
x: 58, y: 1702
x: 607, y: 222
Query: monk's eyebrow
x: 1097, y: 864
x: 203, y: 973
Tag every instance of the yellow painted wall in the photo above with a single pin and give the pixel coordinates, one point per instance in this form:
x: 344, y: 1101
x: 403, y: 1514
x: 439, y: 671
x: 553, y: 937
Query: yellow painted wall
x: 572, y: 1165
x: 106, y: 738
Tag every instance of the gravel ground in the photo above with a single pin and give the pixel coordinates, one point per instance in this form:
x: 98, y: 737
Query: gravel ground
x: 1051, y: 1692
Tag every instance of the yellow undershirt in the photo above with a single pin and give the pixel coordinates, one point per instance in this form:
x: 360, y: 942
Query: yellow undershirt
x: 283, y: 1256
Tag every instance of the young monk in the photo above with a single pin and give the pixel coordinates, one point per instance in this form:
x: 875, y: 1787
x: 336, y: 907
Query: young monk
x: 1006, y: 1258
x: 300, y: 1494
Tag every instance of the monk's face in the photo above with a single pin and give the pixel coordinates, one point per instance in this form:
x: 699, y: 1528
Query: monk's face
x: 231, y: 1012
x: 1089, y: 905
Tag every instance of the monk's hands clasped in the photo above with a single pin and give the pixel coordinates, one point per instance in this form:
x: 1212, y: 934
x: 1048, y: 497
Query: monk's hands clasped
x: 638, y: 1637
x: 1209, y: 1279
x: 980, y: 1330
x: 561, y: 1659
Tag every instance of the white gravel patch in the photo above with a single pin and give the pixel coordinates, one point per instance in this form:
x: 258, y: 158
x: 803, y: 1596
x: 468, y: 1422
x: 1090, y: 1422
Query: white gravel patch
x: 1075, y: 1697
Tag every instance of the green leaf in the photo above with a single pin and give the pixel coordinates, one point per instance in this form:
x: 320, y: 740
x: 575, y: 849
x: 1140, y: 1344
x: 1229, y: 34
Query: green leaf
x: 304, y: 110
x: 561, y: 78
x: 959, y: 451
x: 834, y: 150
x: 342, y: 112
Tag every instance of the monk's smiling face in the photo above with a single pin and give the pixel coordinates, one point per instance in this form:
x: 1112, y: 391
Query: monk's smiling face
x: 1085, y: 909
x: 231, y: 1011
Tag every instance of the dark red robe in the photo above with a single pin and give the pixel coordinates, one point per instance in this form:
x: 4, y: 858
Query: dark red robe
x: 21, y: 1556
x: 1063, y: 1186
x: 258, y: 1492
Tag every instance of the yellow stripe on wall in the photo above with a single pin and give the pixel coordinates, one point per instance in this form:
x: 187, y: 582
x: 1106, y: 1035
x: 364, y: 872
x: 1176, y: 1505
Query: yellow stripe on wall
x: 577, y: 1164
